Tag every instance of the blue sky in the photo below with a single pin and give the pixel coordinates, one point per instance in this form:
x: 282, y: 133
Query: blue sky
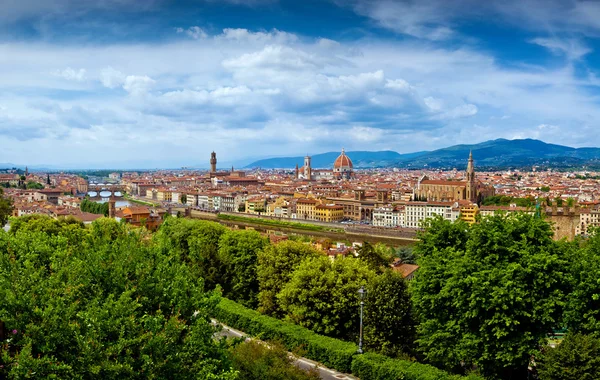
x: 159, y: 83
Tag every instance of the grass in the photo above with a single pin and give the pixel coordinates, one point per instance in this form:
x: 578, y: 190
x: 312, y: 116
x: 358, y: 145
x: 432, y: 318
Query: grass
x: 133, y: 200
x: 279, y: 223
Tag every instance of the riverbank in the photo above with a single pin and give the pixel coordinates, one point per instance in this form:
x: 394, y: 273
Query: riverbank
x: 140, y: 202
x: 289, y: 228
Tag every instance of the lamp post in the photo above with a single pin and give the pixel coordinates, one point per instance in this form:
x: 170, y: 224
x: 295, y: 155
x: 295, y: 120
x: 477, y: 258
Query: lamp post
x: 362, y: 292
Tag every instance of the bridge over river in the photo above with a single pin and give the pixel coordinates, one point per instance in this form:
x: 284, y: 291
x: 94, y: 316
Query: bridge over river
x: 98, y: 191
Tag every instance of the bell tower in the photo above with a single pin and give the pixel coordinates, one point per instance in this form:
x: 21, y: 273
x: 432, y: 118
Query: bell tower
x: 307, y: 168
x: 213, y: 162
x: 471, y: 185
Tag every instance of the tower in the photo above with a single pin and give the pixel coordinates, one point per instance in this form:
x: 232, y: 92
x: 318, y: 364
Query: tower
x: 307, y: 168
x: 471, y: 186
x: 111, y: 207
x: 297, y: 171
x: 26, y: 171
x: 213, y: 162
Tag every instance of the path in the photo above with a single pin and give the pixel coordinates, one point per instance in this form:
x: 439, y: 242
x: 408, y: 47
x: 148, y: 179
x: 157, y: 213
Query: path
x: 304, y: 363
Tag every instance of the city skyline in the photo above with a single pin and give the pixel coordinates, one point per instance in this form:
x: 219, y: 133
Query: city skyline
x: 164, y: 84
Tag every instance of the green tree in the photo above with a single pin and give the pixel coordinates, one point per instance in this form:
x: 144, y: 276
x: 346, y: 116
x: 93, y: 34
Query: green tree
x: 377, y: 258
x: 6, y: 208
x: 183, y: 198
x: 405, y: 254
x: 101, y: 302
x: 545, y: 189
x: 489, y: 301
x: 583, y: 307
x: 242, y: 207
x: 577, y: 357
x: 197, y: 242
x: 570, y: 202
x: 254, y: 360
x: 323, y: 295
x: 559, y: 201
x: 390, y: 326
x: 34, y: 185
x: 276, y: 263
x: 238, y: 253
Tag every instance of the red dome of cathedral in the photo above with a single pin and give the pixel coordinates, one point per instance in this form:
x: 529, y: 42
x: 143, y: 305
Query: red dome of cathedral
x: 342, y: 161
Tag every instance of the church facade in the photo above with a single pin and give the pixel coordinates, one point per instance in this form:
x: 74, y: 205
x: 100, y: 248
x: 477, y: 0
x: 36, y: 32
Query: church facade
x: 342, y: 169
x: 470, y: 189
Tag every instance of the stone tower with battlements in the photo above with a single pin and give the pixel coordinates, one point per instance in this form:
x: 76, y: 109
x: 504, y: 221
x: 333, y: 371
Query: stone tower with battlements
x: 213, y: 162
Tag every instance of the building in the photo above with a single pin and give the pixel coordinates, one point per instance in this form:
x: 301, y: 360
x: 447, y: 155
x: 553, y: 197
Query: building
x: 451, y: 191
x: 213, y: 162
x: 468, y: 212
x: 417, y: 212
x: 306, y: 208
x: 342, y: 167
x: 389, y: 216
x: 329, y: 213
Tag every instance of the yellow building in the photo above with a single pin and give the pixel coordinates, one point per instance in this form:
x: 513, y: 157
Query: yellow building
x: 164, y: 195
x: 256, y: 205
x: 306, y: 209
x: 468, y: 213
x: 329, y: 213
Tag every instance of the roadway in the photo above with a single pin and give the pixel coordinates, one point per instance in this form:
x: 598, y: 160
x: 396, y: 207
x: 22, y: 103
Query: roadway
x: 304, y: 363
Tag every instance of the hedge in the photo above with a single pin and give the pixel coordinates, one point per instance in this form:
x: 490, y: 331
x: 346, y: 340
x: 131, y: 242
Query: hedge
x: 370, y: 366
x: 333, y: 353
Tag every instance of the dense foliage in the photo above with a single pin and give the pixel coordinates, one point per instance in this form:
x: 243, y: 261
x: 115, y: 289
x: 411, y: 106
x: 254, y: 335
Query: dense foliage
x: 488, y: 299
x: 323, y: 295
x: 94, y: 207
x: 331, y: 352
x: 6, y: 208
x: 577, y: 357
x: 254, y: 360
x: 101, y: 302
x: 276, y: 264
x: 390, y: 325
x: 503, y: 200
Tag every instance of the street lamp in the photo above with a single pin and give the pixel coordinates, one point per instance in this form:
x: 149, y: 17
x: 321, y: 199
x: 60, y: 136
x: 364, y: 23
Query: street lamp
x: 362, y: 292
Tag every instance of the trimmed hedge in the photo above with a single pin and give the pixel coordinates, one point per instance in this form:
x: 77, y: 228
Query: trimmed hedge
x: 333, y: 353
x: 372, y: 366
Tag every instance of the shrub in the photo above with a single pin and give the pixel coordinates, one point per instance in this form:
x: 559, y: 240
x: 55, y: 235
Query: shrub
x: 330, y: 352
x: 378, y: 367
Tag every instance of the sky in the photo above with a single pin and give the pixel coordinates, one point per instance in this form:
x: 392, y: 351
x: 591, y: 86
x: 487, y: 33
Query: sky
x: 162, y: 83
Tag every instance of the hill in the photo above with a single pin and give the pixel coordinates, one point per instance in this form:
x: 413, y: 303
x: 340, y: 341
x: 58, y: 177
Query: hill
x: 500, y: 153
x: 360, y: 159
x: 504, y: 153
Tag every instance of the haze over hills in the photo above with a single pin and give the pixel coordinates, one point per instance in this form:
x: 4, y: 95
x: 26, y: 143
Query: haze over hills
x: 500, y: 153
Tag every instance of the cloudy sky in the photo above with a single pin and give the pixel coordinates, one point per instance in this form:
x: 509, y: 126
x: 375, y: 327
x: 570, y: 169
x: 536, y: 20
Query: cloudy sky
x: 125, y: 83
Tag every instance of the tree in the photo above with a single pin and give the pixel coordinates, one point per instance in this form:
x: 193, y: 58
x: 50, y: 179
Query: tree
x: 238, y: 253
x: 577, y: 357
x: 570, y: 202
x: 255, y: 360
x: 34, y: 185
x: 276, y: 264
x: 488, y: 300
x: 377, y: 259
x: 390, y: 325
x: 242, y: 207
x: 48, y: 179
x: 197, y: 242
x: 6, y: 208
x: 183, y: 198
x: 101, y: 302
x: 545, y: 189
x: 583, y: 301
x: 323, y: 295
x: 405, y: 254
x: 559, y: 201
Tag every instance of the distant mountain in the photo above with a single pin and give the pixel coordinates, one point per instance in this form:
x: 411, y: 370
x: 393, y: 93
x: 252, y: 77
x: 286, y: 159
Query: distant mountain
x: 360, y: 159
x: 505, y: 153
x: 500, y: 153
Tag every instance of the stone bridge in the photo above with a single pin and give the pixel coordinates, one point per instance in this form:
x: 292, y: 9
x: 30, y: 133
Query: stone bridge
x: 104, y: 188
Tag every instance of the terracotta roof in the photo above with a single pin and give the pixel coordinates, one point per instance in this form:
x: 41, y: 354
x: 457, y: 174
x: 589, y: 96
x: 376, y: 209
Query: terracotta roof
x: 406, y: 269
x: 441, y: 182
x: 342, y: 161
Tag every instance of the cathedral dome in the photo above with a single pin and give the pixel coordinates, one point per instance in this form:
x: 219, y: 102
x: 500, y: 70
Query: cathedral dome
x: 342, y: 161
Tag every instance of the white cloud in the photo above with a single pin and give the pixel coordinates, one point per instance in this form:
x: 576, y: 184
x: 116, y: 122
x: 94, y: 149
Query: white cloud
x: 263, y: 37
x: 111, y: 78
x: 571, y: 48
x: 71, y: 74
x: 138, y: 84
x: 464, y: 110
x: 194, y: 32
